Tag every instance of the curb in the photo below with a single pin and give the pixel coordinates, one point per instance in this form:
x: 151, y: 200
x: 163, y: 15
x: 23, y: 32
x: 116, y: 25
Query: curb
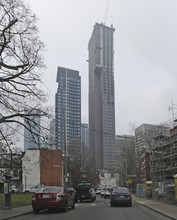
x: 16, y: 215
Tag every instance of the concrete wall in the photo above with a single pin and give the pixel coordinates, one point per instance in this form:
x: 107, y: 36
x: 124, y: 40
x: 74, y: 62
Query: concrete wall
x: 31, y: 169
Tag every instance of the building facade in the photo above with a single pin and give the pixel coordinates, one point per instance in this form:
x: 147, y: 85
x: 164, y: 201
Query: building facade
x: 32, y: 129
x: 84, y: 146
x: 42, y: 166
x: 164, y: 156
x: 52, y: 134
x: 68, y: 108
x: 101, y: 98
x: 144, y: 136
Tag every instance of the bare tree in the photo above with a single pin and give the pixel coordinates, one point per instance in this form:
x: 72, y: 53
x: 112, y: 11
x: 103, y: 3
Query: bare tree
x: 138, y: 152
x: 74, y: 161
x: 21, y: 62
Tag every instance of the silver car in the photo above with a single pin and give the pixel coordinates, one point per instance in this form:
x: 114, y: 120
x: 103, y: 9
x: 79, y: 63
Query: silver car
x: 108, y: 192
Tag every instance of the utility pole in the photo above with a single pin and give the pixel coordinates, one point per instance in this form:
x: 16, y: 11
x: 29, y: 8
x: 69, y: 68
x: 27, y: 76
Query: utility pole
x: 65, y: 151
x: 7, y: 192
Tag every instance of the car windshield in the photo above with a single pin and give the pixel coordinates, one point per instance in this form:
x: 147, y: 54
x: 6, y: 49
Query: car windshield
x: 121, y: 190
x: 50, y: 189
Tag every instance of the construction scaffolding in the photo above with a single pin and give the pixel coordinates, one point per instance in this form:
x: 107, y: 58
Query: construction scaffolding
x: 164, y: 156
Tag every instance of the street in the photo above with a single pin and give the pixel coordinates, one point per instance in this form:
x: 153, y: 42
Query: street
x: 98, y: 210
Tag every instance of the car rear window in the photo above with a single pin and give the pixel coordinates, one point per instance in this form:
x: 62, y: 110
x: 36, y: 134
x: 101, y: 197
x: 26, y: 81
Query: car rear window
x: 109, y: 189
x: 51, y: 189
x: 121, y: 190
x: 86, y: 185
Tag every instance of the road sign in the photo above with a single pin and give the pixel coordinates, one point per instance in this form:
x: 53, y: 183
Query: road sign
x: 6, y: 188
x: 130, y: 180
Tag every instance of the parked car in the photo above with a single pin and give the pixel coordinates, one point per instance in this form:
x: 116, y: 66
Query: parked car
x: 52, y: 197
x: 121, y: 196
x: 34, y: 189
x: 108, y: 192
x: 72, y: 191
x: 85, y: 191
x: 98, y: 191
x: 14, y: 189
x: 102, y: 192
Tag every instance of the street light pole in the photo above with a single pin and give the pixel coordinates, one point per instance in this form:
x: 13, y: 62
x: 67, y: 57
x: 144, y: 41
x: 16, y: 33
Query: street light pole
x: 65, y: 151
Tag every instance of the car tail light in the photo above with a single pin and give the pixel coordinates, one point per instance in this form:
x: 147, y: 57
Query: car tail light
x: 58, y: 197
x: 33, y: 198
x: 129, y: 195
x: 114, y: 195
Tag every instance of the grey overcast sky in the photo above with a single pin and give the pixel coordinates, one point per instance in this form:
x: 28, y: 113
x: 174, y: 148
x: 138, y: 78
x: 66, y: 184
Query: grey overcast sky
x: 145, y: 44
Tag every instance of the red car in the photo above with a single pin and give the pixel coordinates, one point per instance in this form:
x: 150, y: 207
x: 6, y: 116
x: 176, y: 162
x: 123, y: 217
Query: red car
x: 52, y: 197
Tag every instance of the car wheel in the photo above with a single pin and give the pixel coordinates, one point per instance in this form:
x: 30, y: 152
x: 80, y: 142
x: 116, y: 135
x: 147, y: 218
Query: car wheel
x: 130, y: 204
x: 112, y: 205
x: 66, y: 208
x: 36, y: 211
x: 95, y: 198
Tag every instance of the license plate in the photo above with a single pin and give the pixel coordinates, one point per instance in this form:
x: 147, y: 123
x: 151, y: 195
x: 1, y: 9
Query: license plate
x: 121, y: 197
x: 45, y: 196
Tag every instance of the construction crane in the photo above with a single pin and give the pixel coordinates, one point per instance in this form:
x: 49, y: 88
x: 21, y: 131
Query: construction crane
x: 106, y: 13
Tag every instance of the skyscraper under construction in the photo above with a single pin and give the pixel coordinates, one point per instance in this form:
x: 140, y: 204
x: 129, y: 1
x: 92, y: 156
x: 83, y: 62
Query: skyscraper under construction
x: 101, y: 98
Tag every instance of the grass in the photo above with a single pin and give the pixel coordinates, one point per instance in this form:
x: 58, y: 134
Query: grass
x: 17, y: 200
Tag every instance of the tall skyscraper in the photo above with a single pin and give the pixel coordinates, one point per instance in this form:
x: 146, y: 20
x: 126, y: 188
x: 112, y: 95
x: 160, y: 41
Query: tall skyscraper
x: 84, y: 146
x: 32, y: 129
x: 101, y: 98
x: 68, y: 108
x: 52, y: 134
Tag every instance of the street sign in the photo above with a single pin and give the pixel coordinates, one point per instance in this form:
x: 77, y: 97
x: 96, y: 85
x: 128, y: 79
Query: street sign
x: 6, y: 188
x: 130, y: 180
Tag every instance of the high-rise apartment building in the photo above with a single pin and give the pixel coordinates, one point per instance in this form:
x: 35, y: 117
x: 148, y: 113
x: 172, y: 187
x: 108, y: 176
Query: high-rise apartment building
x: 101, y: 98
x: 32, y: 129
x: 52, y: 134
x: 68, y: 108
x: 84, y: 146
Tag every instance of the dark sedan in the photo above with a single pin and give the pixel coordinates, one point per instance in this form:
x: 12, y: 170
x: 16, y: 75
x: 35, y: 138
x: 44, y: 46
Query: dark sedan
x: 120, y: 196
x: 59, y: 198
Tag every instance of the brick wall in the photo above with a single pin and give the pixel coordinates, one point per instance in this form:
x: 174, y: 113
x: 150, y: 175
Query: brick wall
x: 51, y: 167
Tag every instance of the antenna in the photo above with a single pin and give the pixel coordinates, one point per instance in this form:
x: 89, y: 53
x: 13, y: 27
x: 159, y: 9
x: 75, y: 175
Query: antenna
x: 106, y: 13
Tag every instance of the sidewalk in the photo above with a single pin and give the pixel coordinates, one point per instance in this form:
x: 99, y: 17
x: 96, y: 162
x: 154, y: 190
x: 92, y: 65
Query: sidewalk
x: 7, y: 214
x: 165, y: 209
